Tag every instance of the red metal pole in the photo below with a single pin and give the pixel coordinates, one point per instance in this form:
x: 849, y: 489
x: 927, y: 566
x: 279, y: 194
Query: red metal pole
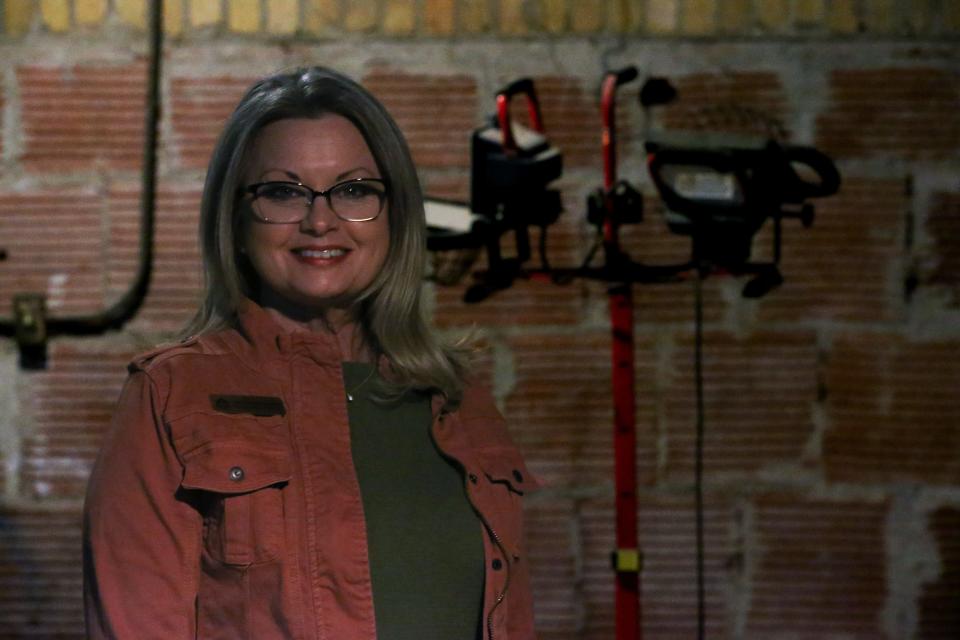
x: 626, y: 557
x: 628, y: 577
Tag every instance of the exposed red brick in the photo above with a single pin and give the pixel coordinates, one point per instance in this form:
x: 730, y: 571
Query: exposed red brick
x: 943, y: 262
x: 747, y: 102
x: 446, y: 186
x: 41, y: 578
x: 553, y: 568
x: 842, y: 267
x: 940, y: 601
x: 561, y: 409
x: 54, y: 247
x: 176, y: 279
x: 668, y: 583
x: 436, y: 113
x: 820, y: 569
x: 82, y: 117
x: 525, y: 303
x: 886, y: 406
x: 758, y: 398
x: 672, y: 302
x: 199, y: 109
x: 892, y: 407
x: 907, y: 112
x: 69, y: 406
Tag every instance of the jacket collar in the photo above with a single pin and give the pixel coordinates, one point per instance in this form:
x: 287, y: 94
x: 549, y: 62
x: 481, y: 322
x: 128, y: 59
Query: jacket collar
x: 267, y: 344
x: 267, y: 337
x: 256, y: 326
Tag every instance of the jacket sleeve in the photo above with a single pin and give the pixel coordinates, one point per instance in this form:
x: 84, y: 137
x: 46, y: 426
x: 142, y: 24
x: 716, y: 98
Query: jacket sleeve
x: 141, y: 540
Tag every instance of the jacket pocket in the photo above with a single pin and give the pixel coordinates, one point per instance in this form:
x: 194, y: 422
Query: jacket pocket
x: 241, y: 492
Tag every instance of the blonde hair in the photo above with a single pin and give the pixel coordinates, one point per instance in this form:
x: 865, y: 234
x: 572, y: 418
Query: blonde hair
x: 390, y: 309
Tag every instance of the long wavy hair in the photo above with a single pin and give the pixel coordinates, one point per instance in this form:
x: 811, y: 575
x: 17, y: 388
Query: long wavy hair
x: 390, y: 310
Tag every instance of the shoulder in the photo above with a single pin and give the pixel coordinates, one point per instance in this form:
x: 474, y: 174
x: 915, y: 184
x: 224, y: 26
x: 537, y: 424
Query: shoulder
x: 184, y: 371
x: 481, y: 419
x: 499, y: 456
x: 177, y: 353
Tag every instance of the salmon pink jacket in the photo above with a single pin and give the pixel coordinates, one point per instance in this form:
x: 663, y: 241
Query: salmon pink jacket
x: 225, y: 504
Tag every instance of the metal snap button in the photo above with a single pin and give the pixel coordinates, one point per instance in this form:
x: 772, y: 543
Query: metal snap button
x: 236, y: 474
x: 497, y: 564
x: 473, y: 478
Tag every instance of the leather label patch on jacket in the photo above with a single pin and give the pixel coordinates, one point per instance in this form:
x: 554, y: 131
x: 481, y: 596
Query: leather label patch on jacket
x: 260, y: 406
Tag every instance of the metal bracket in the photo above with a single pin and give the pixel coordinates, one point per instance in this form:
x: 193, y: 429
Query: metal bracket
x: 30, y: 320
x: 626, y: 560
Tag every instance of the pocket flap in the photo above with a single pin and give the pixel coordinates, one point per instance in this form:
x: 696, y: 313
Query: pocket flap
x: 506, y: 467
x: 235, y: 467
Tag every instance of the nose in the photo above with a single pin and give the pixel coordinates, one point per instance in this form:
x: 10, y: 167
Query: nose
x: 320, y: 218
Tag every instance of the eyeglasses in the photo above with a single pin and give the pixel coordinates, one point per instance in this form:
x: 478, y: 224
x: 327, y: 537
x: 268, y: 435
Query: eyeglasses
x: 357, y: 200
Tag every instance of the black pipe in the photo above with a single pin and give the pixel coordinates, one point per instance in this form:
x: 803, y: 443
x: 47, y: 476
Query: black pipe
x: 126, y: 307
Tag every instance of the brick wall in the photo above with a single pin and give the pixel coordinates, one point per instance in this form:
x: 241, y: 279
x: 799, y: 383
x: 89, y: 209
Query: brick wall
x: 833, y: 426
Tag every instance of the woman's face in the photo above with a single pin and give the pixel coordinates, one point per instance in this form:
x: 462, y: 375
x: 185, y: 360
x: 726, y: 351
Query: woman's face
x: 322, y: 263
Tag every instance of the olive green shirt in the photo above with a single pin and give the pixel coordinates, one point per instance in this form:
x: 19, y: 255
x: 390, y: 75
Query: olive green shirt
x: 424, y: 539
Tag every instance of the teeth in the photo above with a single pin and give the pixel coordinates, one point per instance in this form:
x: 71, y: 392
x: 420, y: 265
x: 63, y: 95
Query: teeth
x: 322, y: 253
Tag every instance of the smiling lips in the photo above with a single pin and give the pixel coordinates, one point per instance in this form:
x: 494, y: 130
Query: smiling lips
x: 319, y: 256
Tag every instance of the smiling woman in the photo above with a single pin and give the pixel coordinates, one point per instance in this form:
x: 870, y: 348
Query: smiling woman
x: 310, y: 461
x: 312, y: 256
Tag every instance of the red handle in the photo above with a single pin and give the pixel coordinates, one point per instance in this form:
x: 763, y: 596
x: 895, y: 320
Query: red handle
x: 524, y: 86
x: 608, y: 106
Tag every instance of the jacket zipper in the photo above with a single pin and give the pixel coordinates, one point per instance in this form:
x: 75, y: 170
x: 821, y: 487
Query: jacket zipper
x: 506, y: 556
x: 506, y: 584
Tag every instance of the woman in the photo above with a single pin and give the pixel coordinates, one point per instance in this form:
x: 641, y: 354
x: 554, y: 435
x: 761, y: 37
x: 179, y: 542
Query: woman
x: 312, y: 463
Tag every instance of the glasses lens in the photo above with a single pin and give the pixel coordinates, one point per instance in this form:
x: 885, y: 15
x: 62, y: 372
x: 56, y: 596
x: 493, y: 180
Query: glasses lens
x: 358, y: 200
x: 280, y: 201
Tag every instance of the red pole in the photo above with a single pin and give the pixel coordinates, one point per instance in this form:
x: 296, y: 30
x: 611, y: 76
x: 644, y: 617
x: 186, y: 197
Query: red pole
x: 624, y: 446
x: 626, y: 557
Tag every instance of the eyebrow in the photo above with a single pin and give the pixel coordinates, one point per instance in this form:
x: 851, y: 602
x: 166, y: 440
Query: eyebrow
x: 341, y: 176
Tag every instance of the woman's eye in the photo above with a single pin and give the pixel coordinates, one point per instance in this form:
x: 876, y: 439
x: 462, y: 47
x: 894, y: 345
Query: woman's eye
x: 358, y: 191
x: 280, y: 192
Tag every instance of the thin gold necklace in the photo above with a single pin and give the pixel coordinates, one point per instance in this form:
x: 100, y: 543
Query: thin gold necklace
x: 356, y: 388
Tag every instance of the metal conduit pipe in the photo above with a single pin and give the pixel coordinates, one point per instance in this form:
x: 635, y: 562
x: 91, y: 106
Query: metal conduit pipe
x: 29, y: 325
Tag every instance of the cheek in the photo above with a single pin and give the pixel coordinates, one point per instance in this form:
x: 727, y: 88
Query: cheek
x: 261, y: 244
x: 261, y: 239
